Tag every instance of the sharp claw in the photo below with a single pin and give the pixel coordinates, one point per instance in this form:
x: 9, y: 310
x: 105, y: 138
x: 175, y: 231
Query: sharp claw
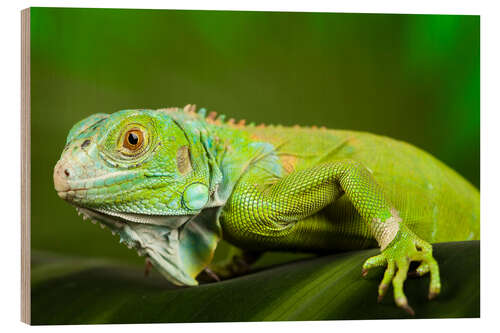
x: 381, y: 291
x: 432, y: 295
x: 148, y: 266
x: 408, y: 309
x: 212, y: 274
x: 403, y: 304
x: 364, y: 272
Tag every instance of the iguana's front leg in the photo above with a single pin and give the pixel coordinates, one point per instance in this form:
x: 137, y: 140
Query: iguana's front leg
x: 305, y: 192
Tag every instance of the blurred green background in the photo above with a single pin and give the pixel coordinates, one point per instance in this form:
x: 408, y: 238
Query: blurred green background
x: 411, y: 77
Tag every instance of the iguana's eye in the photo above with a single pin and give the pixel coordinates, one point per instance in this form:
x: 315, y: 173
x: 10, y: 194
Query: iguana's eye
x: 133, y: 139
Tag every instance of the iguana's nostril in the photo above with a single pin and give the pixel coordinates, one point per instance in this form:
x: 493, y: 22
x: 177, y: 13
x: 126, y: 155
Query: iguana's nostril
x: 85, y: 143
x: 61, y: 177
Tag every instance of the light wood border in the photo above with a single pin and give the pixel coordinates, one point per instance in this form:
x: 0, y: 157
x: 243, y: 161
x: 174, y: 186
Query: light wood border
x: 25, y: 168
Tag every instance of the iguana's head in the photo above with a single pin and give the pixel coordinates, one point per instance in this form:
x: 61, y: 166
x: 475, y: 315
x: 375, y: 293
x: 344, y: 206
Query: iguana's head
x: 146, y: 176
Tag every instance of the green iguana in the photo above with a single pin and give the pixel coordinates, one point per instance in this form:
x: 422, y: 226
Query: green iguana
x: 173, y: 182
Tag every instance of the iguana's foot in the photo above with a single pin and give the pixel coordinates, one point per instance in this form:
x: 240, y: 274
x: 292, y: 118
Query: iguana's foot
x: 237, y: 266
x: 405, y: 248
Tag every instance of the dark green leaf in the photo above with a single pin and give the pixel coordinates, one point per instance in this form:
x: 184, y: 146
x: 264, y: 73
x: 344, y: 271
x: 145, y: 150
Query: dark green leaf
x: 76, y: 291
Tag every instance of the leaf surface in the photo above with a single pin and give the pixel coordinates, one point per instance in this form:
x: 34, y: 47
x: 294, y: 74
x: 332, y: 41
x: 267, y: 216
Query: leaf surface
x: 68, y: 290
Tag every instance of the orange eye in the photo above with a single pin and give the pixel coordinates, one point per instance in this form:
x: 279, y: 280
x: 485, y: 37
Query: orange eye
x: 133, y: 139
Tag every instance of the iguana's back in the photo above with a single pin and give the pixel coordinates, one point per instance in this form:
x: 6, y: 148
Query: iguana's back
x: 438, y: 203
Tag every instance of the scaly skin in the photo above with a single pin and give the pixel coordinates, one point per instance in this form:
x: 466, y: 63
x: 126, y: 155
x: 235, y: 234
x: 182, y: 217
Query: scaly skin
x: 173, y: 182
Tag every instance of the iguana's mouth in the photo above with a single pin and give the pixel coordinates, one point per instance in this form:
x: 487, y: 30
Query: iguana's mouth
x: 170, y: 221
x: 157, y: 237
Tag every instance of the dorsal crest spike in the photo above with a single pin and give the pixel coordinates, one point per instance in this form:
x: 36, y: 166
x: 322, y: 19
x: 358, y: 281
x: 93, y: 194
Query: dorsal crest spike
x: 212, y: 115
x: 220, y: 119
x: 241, y: 122
x: 231, y: 121
x: 202, y: 112
x: 190, y: 108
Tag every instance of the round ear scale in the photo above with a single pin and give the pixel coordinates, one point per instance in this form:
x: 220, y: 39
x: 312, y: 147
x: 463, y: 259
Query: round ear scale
x: 195, y: 196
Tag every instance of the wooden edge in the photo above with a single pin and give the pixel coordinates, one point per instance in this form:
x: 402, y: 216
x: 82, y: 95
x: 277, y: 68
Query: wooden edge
x: 25, y: 168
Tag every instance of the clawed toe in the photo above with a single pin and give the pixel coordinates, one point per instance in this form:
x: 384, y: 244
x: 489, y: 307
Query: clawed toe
x: 398, y: 259
x: 211, y: 274
x: 403, y: 304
